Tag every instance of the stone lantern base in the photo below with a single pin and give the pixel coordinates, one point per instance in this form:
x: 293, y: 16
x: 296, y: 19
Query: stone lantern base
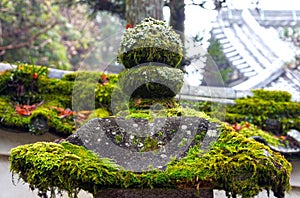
x: 155, y: 193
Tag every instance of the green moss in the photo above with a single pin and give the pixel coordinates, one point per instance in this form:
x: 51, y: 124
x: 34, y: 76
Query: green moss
x: 278, y: 96
x: 99, y: 113
x: 55, y: 93
x: 144, y: 115
x: 171, y: 112
x: 266, y: 114
x: 251, y: 130
x: 235, y: 163
x: 72, y: 167
x: 9, y: 117
x: 151, y: 82
x: 149, y: 144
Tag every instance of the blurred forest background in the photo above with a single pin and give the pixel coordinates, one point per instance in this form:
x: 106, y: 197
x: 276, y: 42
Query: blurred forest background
x: 61, y: 34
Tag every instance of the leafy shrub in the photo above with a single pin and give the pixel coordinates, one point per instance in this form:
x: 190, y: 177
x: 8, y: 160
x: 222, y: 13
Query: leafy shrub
x: 23, y: 82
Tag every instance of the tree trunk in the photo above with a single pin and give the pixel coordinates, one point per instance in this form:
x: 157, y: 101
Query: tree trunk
x: 177, y: 17
x: 1, y: 40
x: 137, y: 10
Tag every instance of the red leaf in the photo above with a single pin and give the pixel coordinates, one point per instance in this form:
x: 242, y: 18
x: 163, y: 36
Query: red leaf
x: 247, y: 124
x: 25, y: 110
x: 128, y: 26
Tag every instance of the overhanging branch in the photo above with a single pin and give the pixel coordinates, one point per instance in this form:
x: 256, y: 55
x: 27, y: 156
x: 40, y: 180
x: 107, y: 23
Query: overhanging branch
x: 29, y: 41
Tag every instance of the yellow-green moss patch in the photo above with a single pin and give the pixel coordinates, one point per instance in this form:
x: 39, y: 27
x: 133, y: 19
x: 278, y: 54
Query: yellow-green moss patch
x: 235, y: 164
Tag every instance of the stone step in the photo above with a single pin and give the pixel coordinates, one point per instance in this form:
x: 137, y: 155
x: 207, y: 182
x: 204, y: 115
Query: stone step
x: 238, y: 62
x: 231, y: 54
x: 259, y: 43
x: 228, y: 50
x: 217, y: 30
x: 226, y: 45
x: 246, y: 70
x: 241, y: 48
x: 219, y: 36
x: 234, y: 58
x: 223, y: 41
x: 250, y: 74
x: 242, y: 66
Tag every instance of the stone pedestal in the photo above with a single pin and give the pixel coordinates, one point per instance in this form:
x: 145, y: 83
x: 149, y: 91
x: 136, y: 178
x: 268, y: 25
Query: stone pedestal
x: 155, y: 193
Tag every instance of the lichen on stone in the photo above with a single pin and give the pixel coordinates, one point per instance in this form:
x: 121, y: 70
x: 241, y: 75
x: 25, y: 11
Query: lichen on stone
x: 150, y: 41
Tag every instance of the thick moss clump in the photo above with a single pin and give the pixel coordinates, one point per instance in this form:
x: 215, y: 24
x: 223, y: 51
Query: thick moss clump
x: 50, y: 166
x: 238, y: 165
x: 267, y: 114
x: 45, y: 113
x: 21, y: 84
x: 151, y: 82
x: 277, y: 96
x: 150, y: 41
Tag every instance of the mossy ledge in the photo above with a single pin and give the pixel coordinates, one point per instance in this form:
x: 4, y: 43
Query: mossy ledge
x: 236, y: 164
x: 49, y: 95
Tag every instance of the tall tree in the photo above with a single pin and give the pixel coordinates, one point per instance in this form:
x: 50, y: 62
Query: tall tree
x: 137, y: 10
x: 137, y: 7
x: 177, y: 15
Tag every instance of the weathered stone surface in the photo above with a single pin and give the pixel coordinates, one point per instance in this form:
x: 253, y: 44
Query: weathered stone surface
x: 212, y: 135
x: 39, y: 125
x: 119, y: 139
x: 155, y: 193
x: 280, y: 149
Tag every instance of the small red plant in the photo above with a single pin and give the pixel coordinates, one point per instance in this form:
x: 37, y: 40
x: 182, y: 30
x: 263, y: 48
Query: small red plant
x: 128, y: 26
x: 35, y: 76
x: 238, y: 127
x: 104, y: 79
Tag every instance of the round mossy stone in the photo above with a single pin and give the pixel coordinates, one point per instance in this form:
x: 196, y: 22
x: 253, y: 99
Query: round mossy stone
x: 150, y: 41
x: 151, y: 82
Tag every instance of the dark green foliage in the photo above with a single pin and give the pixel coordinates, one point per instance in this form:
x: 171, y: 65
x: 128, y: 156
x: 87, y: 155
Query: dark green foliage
x: 267, y: 114
x: 278, y: 96
x: 22, y: 83
x: 270, y: 110
x: 150, y: 41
